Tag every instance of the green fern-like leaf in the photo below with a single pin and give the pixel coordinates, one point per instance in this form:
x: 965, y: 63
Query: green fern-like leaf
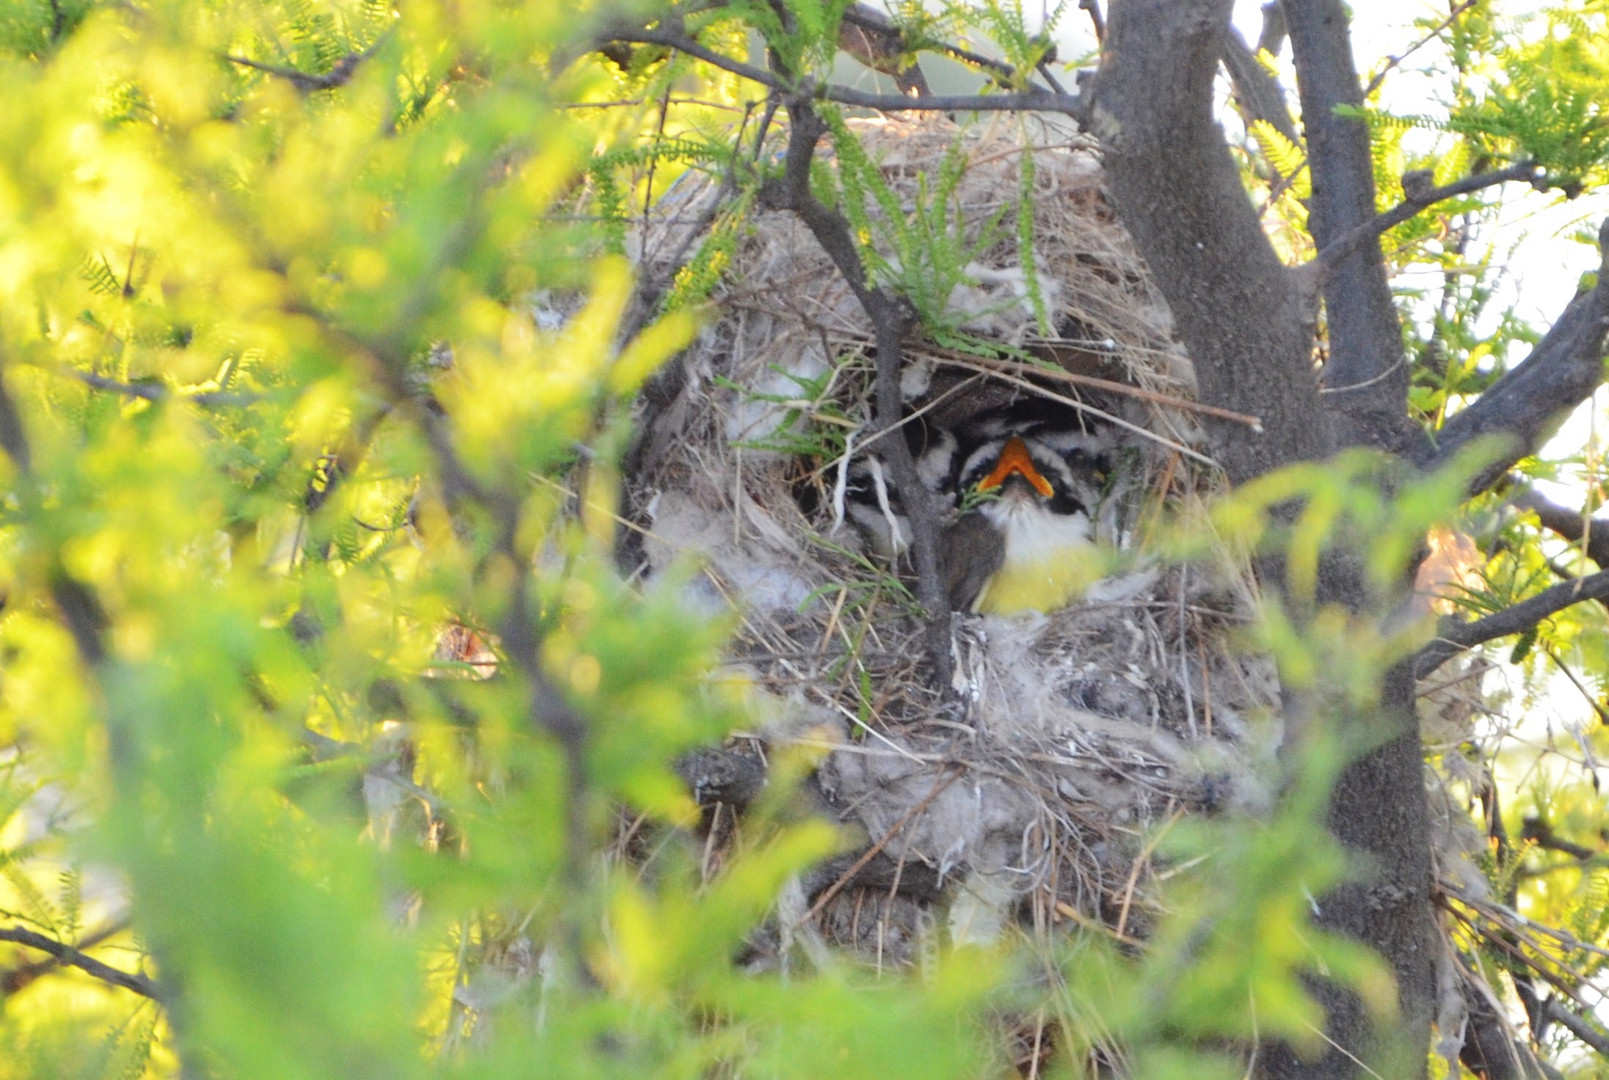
x: 97, y: 272
x: 71, y: 882
x: 1285, y: 156
x: 1590, y: 915
x: 1025, y: 243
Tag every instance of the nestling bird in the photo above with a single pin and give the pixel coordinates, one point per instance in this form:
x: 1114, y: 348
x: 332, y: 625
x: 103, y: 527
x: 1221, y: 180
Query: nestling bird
x: 1029, y: 484
x: 1030, y: 545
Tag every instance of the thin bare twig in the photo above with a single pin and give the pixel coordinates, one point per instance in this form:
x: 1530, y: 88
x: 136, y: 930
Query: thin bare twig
x: 1061, y: 374
x: 1508, y: 917
x: 339, y: 75
x: 154, y: 391
x: 1586, y: 695
x: 955, y: 773
x: 1395, y: 61
x: 140, y: 984
x: 1590, y: 532
x: 890, y: 316
x: 1032, y: 100
x: 18, y: 977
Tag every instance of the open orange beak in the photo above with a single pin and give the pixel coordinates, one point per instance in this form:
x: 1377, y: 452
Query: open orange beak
x: 1014, y: 459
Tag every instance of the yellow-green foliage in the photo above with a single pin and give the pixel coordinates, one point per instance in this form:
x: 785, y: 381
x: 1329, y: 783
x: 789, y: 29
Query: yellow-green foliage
x: 277, y: 411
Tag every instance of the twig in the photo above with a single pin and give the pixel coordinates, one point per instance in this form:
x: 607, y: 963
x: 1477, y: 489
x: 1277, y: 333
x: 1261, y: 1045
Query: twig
x: 1063, y: 375
x: 1455, y: 635
x: 1067, y: 911
x: 876, y: 41
x: 1032, y: 100
x: 161, y: 391
x: 140, y: 984
x: 339, y: 75
x: 1540, y: 832
x: 1116, y: 421
x: 1394, y: 61
x: 1417, y: 199
x: 869, y: 18
x: 1095, y: 18
x: 18, y: 977
x: 1140, y: 862
x: 1592, y: 533
x: 1512, y: 919
x: 1505, y: 940
x: 1277, y: 191
x: 872, y: 852
x: 1523, y: 406
x: 1587, y: 695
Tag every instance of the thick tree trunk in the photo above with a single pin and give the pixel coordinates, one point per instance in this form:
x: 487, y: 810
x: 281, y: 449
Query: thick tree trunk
x: 1236, y: 306
x: 1246, y: 324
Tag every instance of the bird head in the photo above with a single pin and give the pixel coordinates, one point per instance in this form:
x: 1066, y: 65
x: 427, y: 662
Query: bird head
x: 1028, y: 474
x: 1042, y: 522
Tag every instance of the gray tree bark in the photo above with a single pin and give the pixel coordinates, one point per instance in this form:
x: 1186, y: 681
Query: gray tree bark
x: 1248, y: 323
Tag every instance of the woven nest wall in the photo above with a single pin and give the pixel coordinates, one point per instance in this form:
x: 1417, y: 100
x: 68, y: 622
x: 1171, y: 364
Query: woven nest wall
x: 1022, y: 793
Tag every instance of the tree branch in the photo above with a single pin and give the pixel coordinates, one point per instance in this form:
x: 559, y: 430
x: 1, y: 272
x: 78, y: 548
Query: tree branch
x: 1540, y: 832
x: 1096, y: 21
x: 140, y: 984
x: 1259, y: 93
x: 873, y: 38
x: 1396, y: 61
x: 1365, y: 373
x: 20, y: 976
x: 1525, y: 404
x: 1271, y: 38
x: 154, y: 391
x: 1568, y: 524
x: 890, y: 317
x: 1026, y: 101
x: 1455, y: 635
x: 1417, y: 199
x: 1032, y: 100
x: 1577, y: 1026
x: 339, y: 75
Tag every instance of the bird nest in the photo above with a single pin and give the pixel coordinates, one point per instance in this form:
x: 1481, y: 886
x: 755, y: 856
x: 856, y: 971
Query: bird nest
x: 1021, y: 792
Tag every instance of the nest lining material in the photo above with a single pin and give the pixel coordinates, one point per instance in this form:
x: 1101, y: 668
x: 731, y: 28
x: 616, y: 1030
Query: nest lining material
x: 1073, y: 730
